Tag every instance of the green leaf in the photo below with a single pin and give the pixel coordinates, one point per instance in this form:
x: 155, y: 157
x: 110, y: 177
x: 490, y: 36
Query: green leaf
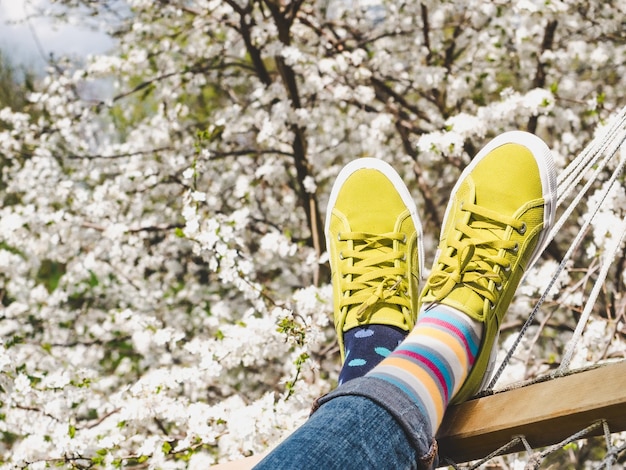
x: 50, y: 273
x: 71, y: 431
x: 554, y: 88
x: 166, y: 448
x: 93, y: 279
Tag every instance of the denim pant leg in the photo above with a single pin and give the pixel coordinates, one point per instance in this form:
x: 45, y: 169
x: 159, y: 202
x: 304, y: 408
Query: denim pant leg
x: 351, y: 430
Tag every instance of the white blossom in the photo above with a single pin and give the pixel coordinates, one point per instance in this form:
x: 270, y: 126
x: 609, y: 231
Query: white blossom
x: 162, y: 258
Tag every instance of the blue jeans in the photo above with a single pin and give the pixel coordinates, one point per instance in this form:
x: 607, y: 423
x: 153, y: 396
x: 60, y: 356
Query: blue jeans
x: 365, y: 423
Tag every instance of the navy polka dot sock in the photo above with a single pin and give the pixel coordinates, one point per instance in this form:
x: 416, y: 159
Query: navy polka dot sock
x: 366, y: 346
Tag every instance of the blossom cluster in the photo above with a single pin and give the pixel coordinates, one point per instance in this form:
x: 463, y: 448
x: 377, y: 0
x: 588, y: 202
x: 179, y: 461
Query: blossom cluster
x: 164, y: 285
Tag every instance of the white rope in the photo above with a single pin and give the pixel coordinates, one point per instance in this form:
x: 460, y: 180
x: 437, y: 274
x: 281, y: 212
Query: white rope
x: 535, y: 459
x: 610, y: 153
x: 571, y: 176
x: 574, y: 437
x: 609, y: 459
x: 505, y: 449
x: 608, y: 259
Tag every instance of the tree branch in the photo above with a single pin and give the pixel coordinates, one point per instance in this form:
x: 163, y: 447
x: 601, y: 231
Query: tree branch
x: 426, y: 32
x: 308, y: 201
x: 119, y: 155
x: 254, y: 52
x: 540, y: 75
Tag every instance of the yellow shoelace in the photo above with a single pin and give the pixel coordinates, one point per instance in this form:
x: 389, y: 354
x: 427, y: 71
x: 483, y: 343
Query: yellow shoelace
x: 374, y: 270
x: 473, y: 256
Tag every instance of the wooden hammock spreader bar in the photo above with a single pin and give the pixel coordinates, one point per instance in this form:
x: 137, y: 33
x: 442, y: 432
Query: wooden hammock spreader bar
x: 545, y: 413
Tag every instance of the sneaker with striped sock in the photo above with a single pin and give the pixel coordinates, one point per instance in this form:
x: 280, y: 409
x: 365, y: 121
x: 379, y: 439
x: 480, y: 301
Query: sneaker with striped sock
x: 495, y: 227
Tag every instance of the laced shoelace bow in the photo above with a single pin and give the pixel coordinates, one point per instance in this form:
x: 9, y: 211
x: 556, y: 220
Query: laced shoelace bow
x: 373, y: 271
x: 473, y: 257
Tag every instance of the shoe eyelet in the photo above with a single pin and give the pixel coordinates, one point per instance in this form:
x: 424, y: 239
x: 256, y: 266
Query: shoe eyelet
x: 341, y: 255
x: 338, y: 236
x: 499, y: 286
x: 522, y: 229
x: 516, y: 247
x: 507, y: 268
x: 404, y: 238
x: 403, y: 257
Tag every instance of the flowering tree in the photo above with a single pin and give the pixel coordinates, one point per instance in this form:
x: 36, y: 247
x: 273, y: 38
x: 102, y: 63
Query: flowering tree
x: 164, y: 283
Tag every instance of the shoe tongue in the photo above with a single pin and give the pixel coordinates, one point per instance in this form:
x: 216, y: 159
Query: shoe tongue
x: 375, y: 218
x: 496, y: 198
x: 366, y: 192
x: 497, y: 167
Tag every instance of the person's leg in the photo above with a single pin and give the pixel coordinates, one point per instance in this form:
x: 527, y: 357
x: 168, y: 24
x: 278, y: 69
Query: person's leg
x: 434, y: 360
x: 351, y: 432
x: 494, y: 229
x: 373, y: 236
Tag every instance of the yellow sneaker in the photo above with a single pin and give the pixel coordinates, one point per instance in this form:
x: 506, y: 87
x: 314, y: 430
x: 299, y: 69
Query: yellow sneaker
x: 374, y: 241
x: 494, y: 229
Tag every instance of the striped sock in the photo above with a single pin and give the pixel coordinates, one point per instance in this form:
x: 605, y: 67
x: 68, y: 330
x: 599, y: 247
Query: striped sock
x: 431, y: 364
